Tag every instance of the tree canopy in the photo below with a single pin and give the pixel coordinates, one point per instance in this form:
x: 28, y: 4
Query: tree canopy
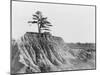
x: 41, y: 21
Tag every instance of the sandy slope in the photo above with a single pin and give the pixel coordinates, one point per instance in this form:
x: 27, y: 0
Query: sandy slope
x: 44, y: 53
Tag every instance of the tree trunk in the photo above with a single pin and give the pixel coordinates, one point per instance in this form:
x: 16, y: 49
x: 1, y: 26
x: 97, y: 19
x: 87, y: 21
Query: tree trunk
x: 39, y: 30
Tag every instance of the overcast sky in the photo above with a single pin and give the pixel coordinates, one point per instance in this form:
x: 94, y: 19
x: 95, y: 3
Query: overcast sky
x: 71, y: 22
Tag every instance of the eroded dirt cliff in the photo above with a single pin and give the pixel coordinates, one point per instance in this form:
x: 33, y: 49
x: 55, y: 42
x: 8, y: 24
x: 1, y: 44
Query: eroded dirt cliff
x: 35, y: 52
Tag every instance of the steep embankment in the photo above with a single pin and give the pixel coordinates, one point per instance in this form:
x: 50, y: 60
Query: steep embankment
x: 44, y: 53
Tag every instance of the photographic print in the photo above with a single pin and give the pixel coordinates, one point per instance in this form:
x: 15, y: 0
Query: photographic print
x: 52, y: 37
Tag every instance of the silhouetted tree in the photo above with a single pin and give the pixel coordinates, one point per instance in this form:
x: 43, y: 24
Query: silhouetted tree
x: 42, y: 22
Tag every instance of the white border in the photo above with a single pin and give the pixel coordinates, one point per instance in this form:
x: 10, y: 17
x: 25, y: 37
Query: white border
x: 5, y: 37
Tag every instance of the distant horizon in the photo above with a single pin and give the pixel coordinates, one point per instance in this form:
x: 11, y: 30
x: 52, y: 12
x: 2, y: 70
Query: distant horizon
x: 75, y: 24
x: 56, y: 36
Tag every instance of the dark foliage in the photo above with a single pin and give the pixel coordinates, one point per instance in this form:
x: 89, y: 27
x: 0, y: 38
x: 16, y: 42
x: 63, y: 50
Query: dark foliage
x: 42, y: 22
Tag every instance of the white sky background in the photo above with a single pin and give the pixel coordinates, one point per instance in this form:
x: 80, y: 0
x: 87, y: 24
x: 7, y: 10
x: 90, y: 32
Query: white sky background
x: 71, y: 22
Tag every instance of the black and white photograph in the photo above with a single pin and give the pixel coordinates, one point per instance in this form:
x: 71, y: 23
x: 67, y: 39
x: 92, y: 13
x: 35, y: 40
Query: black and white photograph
x: 52, y: 37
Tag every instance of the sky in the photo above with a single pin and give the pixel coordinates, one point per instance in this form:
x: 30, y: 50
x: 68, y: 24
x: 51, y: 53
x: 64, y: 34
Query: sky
x: 73, y: 23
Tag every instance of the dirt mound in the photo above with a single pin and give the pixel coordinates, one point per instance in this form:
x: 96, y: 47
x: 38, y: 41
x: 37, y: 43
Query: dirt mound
x: 43, y: 53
